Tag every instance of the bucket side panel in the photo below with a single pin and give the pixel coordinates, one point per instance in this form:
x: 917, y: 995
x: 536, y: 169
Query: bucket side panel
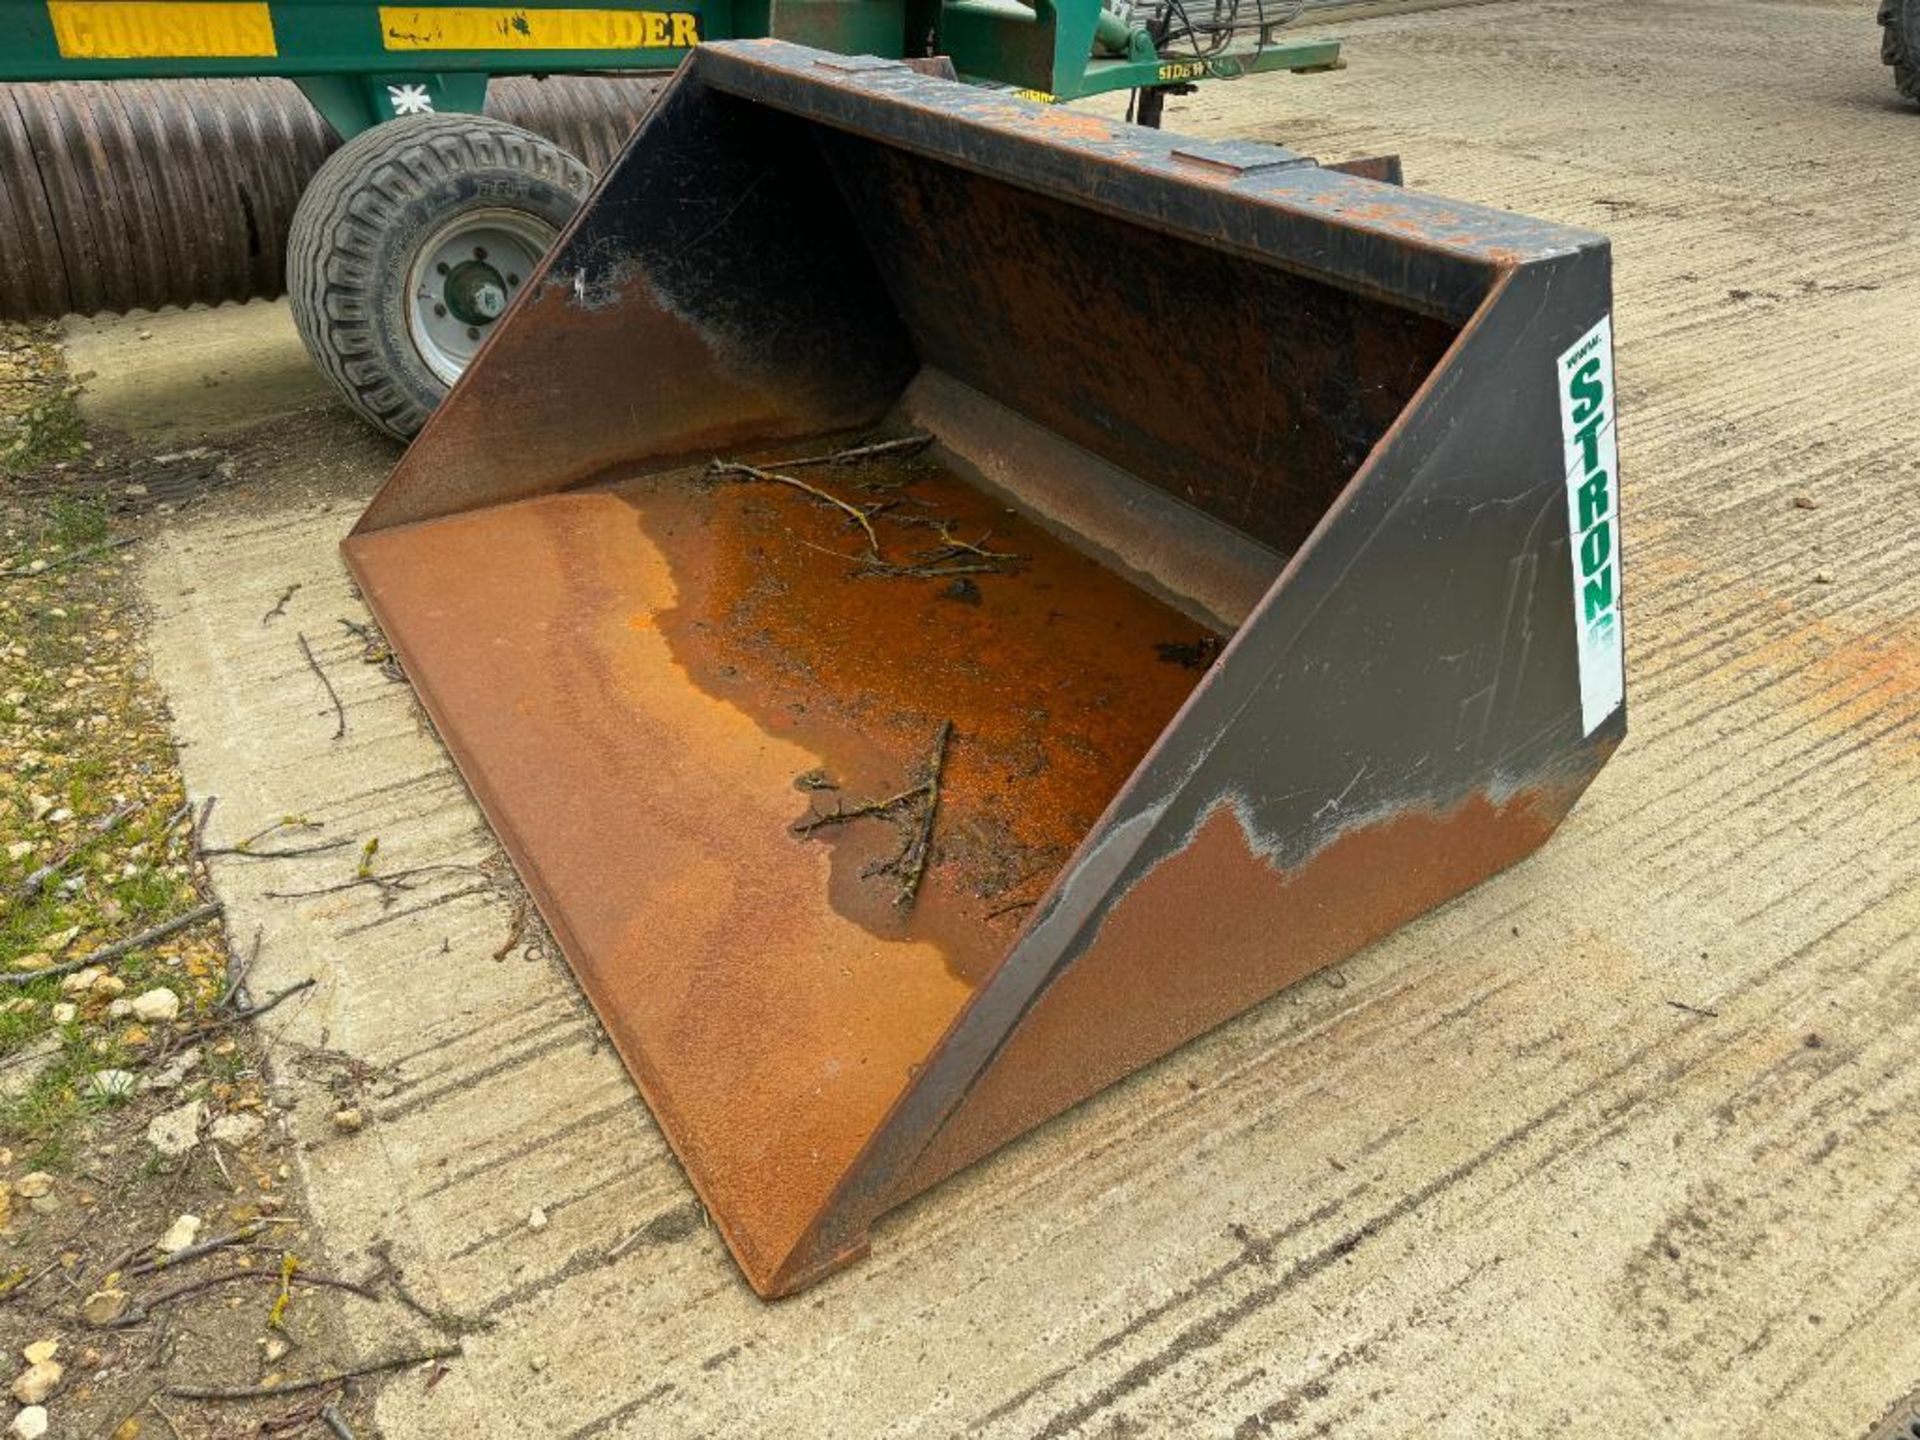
x: 1214, y: 930
x: 711, y: 293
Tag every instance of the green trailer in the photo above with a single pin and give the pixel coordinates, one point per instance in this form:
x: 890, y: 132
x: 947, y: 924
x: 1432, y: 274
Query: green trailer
x: 439, y: 149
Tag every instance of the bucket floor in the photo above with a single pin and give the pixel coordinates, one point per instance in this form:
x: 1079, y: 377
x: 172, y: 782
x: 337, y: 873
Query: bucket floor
x: 656, y: 685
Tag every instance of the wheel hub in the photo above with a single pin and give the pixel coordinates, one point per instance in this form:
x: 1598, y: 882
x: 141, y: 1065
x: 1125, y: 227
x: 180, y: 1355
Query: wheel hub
x: 463, y: 277
x: 476, y: 292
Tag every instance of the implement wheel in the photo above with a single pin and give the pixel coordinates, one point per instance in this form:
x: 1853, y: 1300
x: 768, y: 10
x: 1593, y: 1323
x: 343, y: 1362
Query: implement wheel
x: 1900, y: 43
x: 409, y: 245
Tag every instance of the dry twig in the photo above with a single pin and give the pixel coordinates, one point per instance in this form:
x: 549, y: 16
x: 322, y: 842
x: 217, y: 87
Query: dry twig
x: 197, y: 837
x: 153, y: 1403
x: 289, y: 1387
x: 143, y: 1312
x: 375, y: 650
x: 291, y: 853
x: 301, y: 1418
x: 20, y: 1281
x: 389, y: 885
x: 244, y: 848
x: 30, y: 887
x: 339, y: 710
x: 742, y: 471
x: 280, y: 606
x: 194, y: 1252
x: 237, y: 969
x: 854, y: 454
x: 119, y: 947
x: 913, y: 864
x: 1699, y: 1010
x: 27, y: 572
x: 921, y: 802
x: 250, y: 1012
x: 515, y: 930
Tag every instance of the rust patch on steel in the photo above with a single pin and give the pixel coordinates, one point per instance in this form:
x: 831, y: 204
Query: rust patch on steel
x: 632, y: 709
x: 1050, y: 671
x: 1055, y: 121
x: 649, y: 821
x: 694, y: 403
x: 1211, y: 931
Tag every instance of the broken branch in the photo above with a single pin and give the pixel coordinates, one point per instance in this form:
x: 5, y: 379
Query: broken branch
x: 339, y: 710
x: 515, y: 930
x: 194, y: 1252
x: 910, y: 864
x: 374, y: 649
x: 237, y: 968
x: 916, y: 855
x: 27, y: 572
x: 741, y: 470
x: 143, y: 1312
x: 289, y: 854
x: 280, y: 605
x: 289, y: 1387
x: 250, y: 1012
x: 253, y: 1012
x: 41, y: 878
x: 245, y: 848
x: 853, y: 454
x: 396, y: 881
x: 119, y: 947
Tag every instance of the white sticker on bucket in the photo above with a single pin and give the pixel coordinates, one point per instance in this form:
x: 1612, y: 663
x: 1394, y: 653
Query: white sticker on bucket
x: 1593, y: 519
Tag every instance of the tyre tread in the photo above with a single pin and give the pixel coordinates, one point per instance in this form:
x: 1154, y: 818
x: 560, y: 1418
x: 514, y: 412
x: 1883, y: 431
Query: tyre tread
x: 332, y: 248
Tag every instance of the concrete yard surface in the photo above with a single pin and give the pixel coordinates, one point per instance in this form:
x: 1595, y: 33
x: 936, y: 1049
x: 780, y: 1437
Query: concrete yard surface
x: 1624, y: 1143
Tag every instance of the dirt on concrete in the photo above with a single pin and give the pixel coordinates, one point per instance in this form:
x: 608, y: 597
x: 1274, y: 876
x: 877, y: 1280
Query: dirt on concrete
x: 1620, y: 1143
x: 155, y: 1243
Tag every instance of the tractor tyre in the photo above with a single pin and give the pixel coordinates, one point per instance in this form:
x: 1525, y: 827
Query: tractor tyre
x: 409, y: 244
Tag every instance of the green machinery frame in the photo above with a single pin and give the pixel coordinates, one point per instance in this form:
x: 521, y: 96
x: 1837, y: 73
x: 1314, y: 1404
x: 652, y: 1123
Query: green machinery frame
x: 362, y: 63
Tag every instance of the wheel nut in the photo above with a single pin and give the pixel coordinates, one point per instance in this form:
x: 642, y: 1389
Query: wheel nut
x: 439, y: 312
x: 441, y: 268
x: 479, y: 252
x: 472, y: 333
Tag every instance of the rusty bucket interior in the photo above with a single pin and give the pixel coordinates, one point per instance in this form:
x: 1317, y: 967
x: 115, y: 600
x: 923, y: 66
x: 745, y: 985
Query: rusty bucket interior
x: 945, y: 599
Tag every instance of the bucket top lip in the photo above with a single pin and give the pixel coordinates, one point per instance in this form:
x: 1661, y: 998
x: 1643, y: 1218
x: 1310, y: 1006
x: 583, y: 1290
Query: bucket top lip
x: 1245, y: 195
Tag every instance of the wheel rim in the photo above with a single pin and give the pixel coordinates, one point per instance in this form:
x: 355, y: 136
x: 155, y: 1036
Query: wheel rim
x: 462, y: 280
